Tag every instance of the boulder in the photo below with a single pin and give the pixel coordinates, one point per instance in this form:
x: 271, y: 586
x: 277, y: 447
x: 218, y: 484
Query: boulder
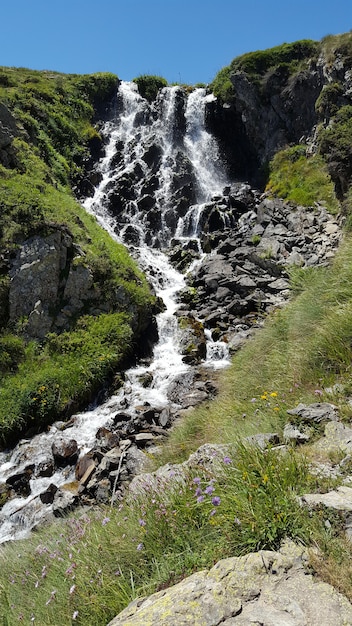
x: 264, y: 587
x: 65, y: 452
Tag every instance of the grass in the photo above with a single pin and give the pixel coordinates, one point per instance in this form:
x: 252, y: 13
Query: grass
x: 87, y: 569
x: 54, y: 379
x: 301, y: 180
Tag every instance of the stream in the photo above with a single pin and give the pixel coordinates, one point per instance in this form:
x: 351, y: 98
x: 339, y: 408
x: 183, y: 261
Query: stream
x: 160, y: 169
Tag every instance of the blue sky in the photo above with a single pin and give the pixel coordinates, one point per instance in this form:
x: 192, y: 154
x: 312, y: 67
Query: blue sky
x: 183, y: 40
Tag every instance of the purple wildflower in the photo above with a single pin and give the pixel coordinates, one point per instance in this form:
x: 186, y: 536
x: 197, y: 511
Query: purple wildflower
x: 200, y: 499
x: 140, y: 546
x: 209, y: 490
x: 216, y: 501
x: 105, y: 521
x: 142, y: 522
x: 227, y: 460
x: 196, y: 480
x: 198, y: 492
x: 318, y: 392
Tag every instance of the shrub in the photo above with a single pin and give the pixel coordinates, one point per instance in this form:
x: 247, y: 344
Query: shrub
x: 222, y: 86
x: 259, y: 62
x: 12, y: 352
x: 148, y: 85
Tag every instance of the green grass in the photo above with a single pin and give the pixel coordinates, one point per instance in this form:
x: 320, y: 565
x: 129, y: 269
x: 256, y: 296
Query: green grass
x: 301, y: 179
x: 291, y: 57
x: 55, y: 379
x: 94, y: 565
x: 54, y: 112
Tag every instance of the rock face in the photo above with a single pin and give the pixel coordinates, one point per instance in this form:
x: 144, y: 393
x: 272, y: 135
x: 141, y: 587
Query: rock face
x: 264, y: 588
x: 253, y: 241
x: 8, y: 131
x: 51, y: 285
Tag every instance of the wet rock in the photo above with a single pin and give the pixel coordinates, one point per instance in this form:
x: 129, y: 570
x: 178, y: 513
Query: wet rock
x: 107, y: 439
x: 48, y: 496
x: 45, y: 469
x: 20, y: 481
x: 193, y: 341
x: 121, y: 417
x: 84, y: 468
x: 65, y: 452
x: 64, y: 501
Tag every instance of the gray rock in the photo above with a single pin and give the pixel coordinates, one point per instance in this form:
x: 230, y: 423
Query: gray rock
x: 317, y: 412
x: 263, y: 440
x: 8, y: 128
x: 337, y: 438
x: 340, y: 499
x: 292, y: 434
x: 266, y: 588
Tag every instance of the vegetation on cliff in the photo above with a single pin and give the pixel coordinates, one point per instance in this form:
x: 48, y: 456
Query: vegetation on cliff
x: 55, y: 141
x: 289, y: 57
x: 149, y: 85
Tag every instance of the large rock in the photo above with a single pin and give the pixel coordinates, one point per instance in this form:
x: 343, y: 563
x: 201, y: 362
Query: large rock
x: 266, y: 588
x: 8, y: 129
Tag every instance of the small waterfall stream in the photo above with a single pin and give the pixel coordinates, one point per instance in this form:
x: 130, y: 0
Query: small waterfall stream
x: 160, y: 168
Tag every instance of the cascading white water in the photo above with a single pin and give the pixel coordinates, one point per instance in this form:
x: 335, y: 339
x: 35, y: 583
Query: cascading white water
x: 202, y: 148
x: 139, y: 129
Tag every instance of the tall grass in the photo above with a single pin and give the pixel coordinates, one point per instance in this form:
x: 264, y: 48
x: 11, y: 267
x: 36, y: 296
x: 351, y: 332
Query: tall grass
x: 86, y: 570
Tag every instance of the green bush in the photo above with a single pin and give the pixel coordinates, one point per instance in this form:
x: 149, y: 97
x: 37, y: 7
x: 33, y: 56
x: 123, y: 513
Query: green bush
x: 258, y: 63
x: 12, y: 352
x: 222, y: 86
x: 148, y: 85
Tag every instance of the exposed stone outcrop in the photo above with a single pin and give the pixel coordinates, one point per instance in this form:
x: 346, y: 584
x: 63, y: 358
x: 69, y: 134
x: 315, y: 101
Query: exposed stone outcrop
x: 8, y: 131
x: 264, y: 588
x: 51, y: 284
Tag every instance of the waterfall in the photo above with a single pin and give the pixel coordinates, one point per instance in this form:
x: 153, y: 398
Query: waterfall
x: 160, y: 168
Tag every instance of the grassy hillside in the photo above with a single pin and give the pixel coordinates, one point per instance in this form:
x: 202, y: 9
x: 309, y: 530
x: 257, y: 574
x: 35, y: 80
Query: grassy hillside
x: 55, y: 141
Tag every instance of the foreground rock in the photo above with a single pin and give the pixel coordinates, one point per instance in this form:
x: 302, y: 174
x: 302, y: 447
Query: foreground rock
x: 266, y: 588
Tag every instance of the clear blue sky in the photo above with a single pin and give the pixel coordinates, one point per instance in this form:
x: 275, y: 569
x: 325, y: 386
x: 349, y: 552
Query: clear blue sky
x: 183, y: 40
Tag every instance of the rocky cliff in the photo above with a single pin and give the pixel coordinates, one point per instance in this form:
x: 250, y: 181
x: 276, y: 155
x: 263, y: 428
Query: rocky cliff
x: 286, y: 95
